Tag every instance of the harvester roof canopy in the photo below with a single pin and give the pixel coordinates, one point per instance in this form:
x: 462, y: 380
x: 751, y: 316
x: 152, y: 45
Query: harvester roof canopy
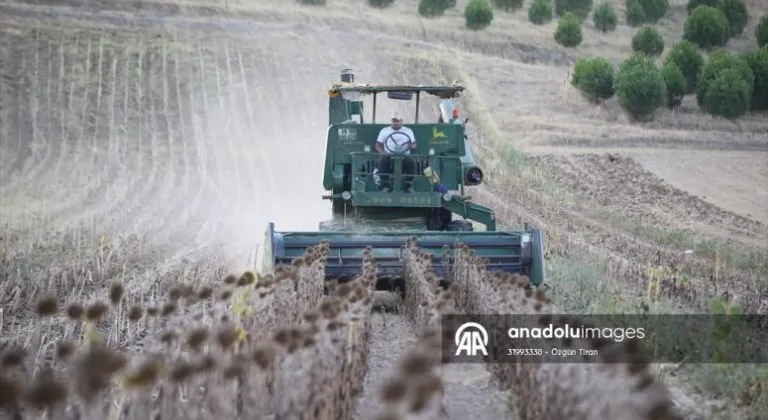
x: 441, y: 91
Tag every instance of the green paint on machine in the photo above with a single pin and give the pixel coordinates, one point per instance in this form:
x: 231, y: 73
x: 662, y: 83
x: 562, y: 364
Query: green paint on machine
x: 436, y: 210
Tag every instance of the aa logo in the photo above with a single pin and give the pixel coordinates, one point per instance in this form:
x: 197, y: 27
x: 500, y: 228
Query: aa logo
x: 470, y: 338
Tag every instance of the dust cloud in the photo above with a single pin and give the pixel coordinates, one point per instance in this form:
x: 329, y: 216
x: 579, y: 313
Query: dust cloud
x: 190, y: 140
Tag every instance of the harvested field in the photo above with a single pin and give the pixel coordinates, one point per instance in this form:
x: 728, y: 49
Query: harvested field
x: 147, y: 144
x: 271, y: 347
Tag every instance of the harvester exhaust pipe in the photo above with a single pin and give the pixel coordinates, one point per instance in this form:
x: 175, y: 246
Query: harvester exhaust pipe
x: 347, y: 76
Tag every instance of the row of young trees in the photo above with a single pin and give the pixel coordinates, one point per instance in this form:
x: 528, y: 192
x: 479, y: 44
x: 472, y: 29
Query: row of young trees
x: 478, y: 13
x: 727, y: 84
x: 711, y: 23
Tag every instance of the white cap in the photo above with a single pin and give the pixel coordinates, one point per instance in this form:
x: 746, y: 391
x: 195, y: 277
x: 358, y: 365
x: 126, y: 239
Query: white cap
x: 396, y: 116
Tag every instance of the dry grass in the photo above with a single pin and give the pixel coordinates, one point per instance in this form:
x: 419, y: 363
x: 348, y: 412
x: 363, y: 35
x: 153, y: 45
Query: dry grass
x: 272, y: 346
x: 541, y: 391
x: 262, y: 345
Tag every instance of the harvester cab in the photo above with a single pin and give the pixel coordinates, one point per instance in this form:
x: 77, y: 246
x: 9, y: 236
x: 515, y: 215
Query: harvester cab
x: 434, y: 208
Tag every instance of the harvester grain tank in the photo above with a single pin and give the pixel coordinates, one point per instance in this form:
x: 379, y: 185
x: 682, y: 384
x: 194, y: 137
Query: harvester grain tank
x: 435, y: 210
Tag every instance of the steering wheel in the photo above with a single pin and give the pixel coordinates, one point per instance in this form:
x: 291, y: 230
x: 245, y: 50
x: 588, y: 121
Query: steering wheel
x: 397, y: 150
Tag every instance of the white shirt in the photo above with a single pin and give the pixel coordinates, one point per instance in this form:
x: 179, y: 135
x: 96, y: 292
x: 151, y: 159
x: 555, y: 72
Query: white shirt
x: 398, y: 141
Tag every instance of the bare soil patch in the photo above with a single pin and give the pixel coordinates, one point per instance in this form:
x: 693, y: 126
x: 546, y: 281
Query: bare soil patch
x: 621, y: 185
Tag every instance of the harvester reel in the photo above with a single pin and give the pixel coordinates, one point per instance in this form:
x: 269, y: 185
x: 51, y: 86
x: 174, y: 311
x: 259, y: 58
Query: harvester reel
x: 398, y: 150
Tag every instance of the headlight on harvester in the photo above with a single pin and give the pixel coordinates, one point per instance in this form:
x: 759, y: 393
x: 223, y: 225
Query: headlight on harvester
x: 474, y: 176
x: 346, y: 195
x: 447, y: 196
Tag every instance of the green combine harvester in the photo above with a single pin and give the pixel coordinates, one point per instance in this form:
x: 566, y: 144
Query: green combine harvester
x: 431, y: 205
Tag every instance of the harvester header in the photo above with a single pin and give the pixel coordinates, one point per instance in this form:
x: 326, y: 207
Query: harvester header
x: 390, y: 181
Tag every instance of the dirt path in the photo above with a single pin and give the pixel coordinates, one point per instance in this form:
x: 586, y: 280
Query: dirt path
x: 469, y: 390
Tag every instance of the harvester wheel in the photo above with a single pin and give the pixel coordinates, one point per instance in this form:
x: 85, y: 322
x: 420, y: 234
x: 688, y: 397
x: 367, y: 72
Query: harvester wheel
x: 459, y: 225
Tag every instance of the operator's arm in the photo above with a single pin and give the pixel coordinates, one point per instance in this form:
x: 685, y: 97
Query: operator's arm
x: 380, y: 140
x: 413, y: 137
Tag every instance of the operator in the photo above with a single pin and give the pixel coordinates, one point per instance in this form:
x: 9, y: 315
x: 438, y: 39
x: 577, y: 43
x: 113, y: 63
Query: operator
x: 395, y: 139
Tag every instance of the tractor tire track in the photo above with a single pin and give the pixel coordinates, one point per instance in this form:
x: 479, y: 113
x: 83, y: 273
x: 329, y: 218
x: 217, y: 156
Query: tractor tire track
x: 17, y: 73
x: 42, y: 133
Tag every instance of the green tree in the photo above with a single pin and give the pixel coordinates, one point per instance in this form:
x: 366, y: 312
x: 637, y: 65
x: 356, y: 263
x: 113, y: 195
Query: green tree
x: 540, y: 12
x: 761, y: 31
x: 605, y: 17
x: 594, y: 78
x: 380, y: 4
x: 654, y: 10
x: 736, y: 13
x: 507, y: 5
x: 706, y: 27
x: 478, y: 14
x: 676, y: 84
x: 640, y: 86
x: 692, y: 4
x: 636, y: 59
x: 648, y: 40
x: 635, y: 13
x: 435, y: 8
x: 728, y: 95
x: 568, y: 32
x: 580, y: 8
x: 758, y: 63
x: 719, y: 61
x: 688, y: 58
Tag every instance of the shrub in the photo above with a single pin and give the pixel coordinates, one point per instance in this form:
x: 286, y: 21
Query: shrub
x: 692, y: 4
x: 640, y: 86
x: 648, y: 40
x: 761, y: 31
x: 594, y: 78
x: 688, y: 58
x: 635, y: 13
x: 719, y: 61
x: 728, y: 95
x: 676, y: 84
x: 736, y: 13
x: 706, y: 27
x: 605, y: 17
x: 380, y: 4
x: 312, y: 2
x: 568, y: 32
x: 635, y: 59
x: 580, y: 8
x: 507, y: 5
x: 435, y: 8
x: 654, y: 9
x: 478, y: 14
x: 758, y: 63
x: 540, y: 12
